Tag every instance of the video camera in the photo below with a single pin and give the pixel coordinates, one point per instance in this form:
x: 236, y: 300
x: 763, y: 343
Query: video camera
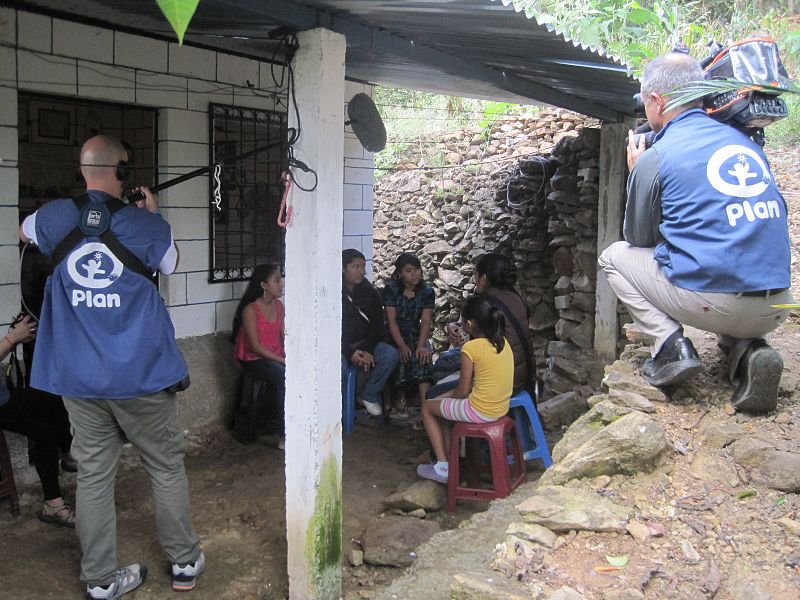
x: 752, y: 60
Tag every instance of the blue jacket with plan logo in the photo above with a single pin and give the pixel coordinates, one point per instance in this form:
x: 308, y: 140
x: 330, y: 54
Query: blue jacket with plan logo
x: 723, y: 220
x: 104, y: 331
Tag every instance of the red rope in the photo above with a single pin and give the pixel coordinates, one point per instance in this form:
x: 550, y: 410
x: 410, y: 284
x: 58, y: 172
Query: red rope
x: 285, y: 212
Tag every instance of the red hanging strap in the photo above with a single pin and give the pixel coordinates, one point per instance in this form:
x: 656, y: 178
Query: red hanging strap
x: 285, y: 212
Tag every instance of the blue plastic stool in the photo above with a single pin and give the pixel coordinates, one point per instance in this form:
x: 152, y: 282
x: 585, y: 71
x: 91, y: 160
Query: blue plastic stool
x: 529, y: 428
x: 349, y: 380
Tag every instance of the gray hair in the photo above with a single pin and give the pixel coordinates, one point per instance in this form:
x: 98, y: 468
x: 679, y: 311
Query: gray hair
x: 670, y: 72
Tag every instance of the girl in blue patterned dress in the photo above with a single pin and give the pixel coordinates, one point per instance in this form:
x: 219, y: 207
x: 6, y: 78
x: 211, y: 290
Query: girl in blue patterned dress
x: 409, y: 304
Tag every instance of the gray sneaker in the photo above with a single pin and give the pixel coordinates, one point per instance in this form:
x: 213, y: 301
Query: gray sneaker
x: 184, y: 577
x: 128, y: 579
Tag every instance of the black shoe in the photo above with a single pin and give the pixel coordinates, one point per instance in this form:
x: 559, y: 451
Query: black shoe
x: 676, y: 362
x: 759, y: 375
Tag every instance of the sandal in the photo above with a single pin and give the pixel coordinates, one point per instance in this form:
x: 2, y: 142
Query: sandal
x: 60, y: 515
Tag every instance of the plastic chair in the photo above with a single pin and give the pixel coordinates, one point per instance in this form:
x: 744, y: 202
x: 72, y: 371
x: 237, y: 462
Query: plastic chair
x: 529, y: 428
x: 8, y: 486
x: 349, y: 382
x: 505, y: 476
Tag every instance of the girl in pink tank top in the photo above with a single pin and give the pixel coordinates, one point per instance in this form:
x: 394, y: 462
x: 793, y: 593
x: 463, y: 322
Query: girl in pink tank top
x: 258, y: 329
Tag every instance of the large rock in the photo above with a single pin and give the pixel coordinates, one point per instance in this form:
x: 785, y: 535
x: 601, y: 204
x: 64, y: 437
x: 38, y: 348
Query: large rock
x: 533, y: 533
x: 708, y: 466
x: 633, y: 443
x: 437, y: 247
x: 566, y: 593
x: 423, y: 493
x: 778, y: 470
x: 630, y: 400
x: 749, y: 451
x: 587, y: 426
x: 719, y: 435
x: 542, y: 317
x: 620, y: 376
x: 391, y: 541
x: 562, y: 509
x: 561, y: 410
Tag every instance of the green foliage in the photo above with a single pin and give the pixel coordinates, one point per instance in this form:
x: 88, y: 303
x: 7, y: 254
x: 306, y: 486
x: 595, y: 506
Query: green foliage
x: 420, y: 120
x: 786, y: 132
x: 637, y: 31
x: 178, y: 13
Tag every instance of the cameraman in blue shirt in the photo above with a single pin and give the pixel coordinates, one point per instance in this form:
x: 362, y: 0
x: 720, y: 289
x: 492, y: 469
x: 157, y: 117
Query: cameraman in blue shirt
x: 706, y: 242
x: 107, y: 345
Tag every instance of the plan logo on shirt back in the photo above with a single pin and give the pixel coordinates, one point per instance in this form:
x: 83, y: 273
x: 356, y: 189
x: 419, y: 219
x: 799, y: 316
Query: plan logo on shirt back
x: 93, y: 266
x: 739, y: 171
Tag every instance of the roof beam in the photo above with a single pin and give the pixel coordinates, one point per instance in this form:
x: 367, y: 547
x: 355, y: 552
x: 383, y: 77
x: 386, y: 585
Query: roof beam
x: 299, y: 17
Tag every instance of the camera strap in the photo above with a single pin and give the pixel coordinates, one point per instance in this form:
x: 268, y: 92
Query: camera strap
x: 95, y: 221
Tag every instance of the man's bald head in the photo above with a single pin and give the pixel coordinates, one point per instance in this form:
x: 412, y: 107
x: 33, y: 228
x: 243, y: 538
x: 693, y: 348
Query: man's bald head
x: 100, y: 156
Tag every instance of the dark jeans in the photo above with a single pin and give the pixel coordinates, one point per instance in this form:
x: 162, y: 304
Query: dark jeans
x: 440, y: 388
x: 273, y: 373
x: 42, y: 418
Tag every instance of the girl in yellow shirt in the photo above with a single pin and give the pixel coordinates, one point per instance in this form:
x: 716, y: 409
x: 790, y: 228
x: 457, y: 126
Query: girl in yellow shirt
x: 484, y: 387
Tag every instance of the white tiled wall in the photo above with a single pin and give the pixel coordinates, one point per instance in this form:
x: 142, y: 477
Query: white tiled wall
x: 64, y: 58
x: 359, y: 178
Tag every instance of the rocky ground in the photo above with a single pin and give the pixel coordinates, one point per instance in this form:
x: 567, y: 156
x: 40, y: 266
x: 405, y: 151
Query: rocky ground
x: 705, y: 505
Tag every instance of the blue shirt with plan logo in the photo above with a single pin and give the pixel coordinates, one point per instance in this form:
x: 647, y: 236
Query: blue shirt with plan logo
x: 104, y: 329
x: 721, y: 222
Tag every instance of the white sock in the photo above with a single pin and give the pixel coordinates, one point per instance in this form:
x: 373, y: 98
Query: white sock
x: 441, y: 467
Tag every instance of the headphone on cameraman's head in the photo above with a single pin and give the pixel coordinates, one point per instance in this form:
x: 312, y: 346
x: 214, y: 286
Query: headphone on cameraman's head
x: 123, y: 171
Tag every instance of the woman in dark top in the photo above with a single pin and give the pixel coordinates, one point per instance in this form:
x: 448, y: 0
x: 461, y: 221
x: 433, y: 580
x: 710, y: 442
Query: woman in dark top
x: 495, y: 277
x: 363, y: 331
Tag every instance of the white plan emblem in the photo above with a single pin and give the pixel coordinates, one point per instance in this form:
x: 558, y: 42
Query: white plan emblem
x: 93, y: 266
x: 738, y: 171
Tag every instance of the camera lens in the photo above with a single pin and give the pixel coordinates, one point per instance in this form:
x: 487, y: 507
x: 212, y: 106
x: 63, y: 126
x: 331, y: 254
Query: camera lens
x: 637, y: 98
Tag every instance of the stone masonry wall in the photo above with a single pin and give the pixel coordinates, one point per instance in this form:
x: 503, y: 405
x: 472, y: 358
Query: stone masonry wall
x: 527, y: 189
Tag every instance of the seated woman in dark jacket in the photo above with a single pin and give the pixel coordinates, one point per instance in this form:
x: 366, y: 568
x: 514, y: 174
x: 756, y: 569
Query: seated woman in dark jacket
x: 363, y: 331
x: 495, y: 278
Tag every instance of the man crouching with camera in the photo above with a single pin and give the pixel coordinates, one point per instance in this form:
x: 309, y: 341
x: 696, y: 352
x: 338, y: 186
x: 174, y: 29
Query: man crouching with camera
x: 706, y: 242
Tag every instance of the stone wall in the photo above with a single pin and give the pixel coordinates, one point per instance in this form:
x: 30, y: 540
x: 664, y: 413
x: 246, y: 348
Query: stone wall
x: 525, y: 188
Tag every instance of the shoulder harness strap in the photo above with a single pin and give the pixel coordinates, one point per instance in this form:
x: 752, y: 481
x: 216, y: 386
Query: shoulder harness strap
x: 522, y: 334
x: 95, y: 221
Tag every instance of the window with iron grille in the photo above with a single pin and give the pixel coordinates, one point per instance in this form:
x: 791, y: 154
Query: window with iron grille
x: 243, y: 227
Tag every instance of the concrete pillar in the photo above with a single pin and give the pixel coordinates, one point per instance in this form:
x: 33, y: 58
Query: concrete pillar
x: 313, y: 325
x: 610, y: 212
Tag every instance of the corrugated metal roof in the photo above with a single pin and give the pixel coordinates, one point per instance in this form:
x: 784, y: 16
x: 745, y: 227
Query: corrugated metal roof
x: 474, y: 48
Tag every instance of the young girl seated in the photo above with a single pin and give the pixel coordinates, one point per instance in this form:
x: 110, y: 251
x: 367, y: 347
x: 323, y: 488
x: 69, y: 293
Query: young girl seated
x: 258, y: 328
x: 484, y: 387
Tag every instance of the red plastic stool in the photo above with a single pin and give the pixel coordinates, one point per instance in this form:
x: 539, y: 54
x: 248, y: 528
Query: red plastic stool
x: 8, y: 487
x: 507, y: 471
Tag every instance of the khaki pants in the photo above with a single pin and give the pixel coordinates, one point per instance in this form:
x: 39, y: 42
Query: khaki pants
x: 150, y: 424
x: 659, y: 308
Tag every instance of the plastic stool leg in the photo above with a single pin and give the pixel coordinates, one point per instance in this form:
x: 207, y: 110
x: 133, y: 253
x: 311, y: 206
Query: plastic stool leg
x: 349, y: 399
x: 531, y: 434
x: 542, y: 451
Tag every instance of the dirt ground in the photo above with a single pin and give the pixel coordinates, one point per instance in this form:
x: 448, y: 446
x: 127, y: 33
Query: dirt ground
x: 238, y: 506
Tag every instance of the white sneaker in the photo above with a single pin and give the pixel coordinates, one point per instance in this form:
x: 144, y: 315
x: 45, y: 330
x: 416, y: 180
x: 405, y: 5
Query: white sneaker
x: 184, y: 577
x: 373, y: 408
x: 128, y: 579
